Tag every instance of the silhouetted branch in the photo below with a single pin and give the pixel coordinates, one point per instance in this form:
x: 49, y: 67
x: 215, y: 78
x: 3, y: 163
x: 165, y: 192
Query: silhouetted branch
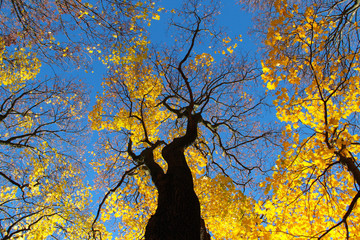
x: 112, y: 190
x: 344, y: 218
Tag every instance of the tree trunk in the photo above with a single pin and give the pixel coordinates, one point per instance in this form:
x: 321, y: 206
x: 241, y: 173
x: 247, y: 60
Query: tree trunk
x: 178, y: 212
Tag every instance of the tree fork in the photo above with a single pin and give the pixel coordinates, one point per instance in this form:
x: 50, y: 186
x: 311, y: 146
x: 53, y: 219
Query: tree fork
x: 178, y: 211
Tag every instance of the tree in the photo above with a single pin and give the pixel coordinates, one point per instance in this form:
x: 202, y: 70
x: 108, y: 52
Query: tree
x: 40, y: 174
x: 42, y: 126
x: 189, y: 108
x: 312, y: 64
x: 180, y: 147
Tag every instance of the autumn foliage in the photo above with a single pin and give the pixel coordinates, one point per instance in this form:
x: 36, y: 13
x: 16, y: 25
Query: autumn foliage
x: 312, y: 66
x: 267, y: 141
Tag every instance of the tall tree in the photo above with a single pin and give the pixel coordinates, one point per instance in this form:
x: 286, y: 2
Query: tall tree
x: 312, y: 65
x: 41, y: 170
x: 184, y: 111
x: 176, y: 123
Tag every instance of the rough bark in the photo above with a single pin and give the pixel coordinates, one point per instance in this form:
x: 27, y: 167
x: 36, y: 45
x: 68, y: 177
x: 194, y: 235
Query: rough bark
x: 178, y: 212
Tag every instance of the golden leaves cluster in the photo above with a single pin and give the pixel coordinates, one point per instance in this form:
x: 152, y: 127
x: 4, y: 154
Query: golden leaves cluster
x: 317, y: 91
x: 142, y: 87
x: 17, y: 65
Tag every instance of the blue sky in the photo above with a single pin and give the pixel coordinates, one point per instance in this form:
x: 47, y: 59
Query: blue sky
x: 232, y: 17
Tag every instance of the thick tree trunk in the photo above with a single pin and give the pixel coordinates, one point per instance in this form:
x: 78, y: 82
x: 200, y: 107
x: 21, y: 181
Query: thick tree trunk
x: 178, y: 213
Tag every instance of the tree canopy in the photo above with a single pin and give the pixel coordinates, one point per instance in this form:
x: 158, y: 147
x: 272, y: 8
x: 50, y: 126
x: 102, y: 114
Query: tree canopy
x: 199, y: 135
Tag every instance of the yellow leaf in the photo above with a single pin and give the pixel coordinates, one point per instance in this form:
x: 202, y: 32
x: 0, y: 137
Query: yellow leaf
x: 156, y: 16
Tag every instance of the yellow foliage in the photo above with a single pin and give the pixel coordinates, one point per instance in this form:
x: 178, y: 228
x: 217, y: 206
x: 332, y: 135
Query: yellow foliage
x: 51, y: 203
x: 309, y: 190
x: 227, y: 212
x: 17, y: 67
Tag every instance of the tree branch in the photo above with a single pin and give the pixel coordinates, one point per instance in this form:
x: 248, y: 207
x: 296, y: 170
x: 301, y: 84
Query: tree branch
x: 344, y: 218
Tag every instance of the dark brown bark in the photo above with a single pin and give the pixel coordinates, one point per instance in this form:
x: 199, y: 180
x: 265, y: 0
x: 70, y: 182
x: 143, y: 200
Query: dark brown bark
x: 350, y: 163
x: 178, y: 211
